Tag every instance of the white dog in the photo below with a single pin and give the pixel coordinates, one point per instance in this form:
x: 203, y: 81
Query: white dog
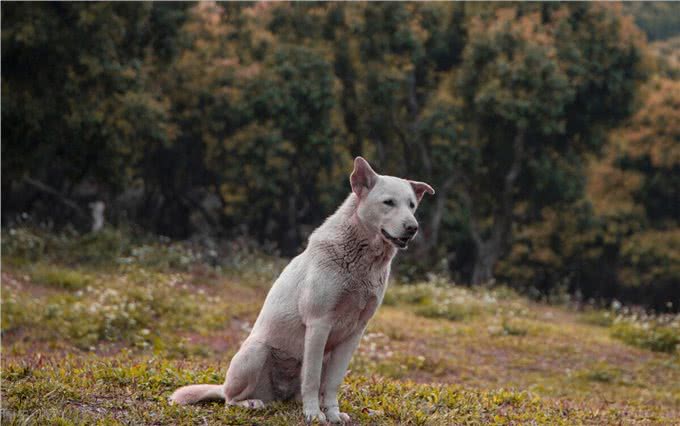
x: 317, y: 310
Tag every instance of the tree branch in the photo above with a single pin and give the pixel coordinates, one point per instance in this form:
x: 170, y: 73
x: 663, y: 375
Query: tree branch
x: 58, y: 195
x: 191, y: 202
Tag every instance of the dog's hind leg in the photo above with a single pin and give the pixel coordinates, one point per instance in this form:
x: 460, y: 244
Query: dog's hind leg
x: 248, y: 368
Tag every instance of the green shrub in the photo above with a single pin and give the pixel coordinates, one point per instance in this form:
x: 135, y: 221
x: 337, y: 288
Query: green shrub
x: 657, y: 332
x: 16, y: 310
x: 449, y: 311
x: 514, y: 328
x: 600, y: 318
x: 105, y: 246
x: 600, y: 372
x: 55, y: 276
x: 648, y: 334
x: 511, y: 326
x: 408, y: 294
x: 22, y: 244
x: 108, y: 248
x: 439, y: 298
x: 135, y: 306
x: 252, y: 267
x: 33, y: 244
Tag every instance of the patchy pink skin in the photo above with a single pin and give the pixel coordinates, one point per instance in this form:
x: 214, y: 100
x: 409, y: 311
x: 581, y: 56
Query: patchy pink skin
x: 317, y: 310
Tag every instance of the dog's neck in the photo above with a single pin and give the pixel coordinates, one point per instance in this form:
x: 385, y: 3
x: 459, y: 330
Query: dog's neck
x: 352, y: 236
x: 376, y: 241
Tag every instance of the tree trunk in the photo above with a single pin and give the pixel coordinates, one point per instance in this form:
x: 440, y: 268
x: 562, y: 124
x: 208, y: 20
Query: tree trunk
x: 485, y: 260
x: 291, y: 240
x: 430, y: 236
x: 58, y: 195
x: 490, y: 250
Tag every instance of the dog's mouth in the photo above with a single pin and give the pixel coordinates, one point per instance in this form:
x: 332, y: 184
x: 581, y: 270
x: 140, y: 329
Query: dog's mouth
x: 401, y: 243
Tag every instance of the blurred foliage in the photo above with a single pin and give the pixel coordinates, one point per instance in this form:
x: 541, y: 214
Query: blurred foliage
x: 648, y: 335
x: 668, y: 57
x: 78, y: 94
x: 658, y: 19
x: 537, y: 96
x: 241, y: 119
x: 63, y: 278
x: 623, y: 241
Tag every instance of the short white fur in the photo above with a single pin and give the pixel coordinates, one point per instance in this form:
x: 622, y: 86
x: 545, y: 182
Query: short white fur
x: 317, y: 310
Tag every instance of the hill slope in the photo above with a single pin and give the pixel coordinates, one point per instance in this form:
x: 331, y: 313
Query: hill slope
x: 84, y: 343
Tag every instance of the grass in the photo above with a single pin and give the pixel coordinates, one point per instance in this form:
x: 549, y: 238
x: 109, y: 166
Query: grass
x: 87, y: 341
x: 56, y: 276
x: 133, y: 391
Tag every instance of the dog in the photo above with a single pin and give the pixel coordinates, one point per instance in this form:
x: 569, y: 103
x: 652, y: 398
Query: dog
x: 318, y: 308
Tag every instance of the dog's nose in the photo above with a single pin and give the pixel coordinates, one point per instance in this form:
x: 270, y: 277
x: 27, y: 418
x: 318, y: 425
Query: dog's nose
x: 412, y: 229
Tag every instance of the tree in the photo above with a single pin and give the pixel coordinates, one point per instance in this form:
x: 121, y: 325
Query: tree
x: 76, y: 98
x: 621, y: 240
x: 392, y: 61
x: 536, y: 87
x: 636, y: 186
x: 292, y: 140
x: 253, y: 106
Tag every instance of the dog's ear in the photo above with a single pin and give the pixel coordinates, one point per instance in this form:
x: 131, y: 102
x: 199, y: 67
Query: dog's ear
x: 363, y: 178
x: 420, y: 188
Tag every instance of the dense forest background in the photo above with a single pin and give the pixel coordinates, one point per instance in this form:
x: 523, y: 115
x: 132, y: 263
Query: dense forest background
x: 550, y: 131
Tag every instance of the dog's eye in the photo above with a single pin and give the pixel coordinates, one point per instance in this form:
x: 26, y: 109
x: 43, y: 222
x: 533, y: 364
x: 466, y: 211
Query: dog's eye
x: 389, y: 203
x: 410, y: 204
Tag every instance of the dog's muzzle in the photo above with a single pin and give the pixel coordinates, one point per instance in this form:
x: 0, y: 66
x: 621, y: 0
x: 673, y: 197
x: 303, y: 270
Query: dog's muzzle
x: 400, y: 242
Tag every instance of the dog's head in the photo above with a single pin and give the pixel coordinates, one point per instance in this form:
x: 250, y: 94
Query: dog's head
x: 386, y: 203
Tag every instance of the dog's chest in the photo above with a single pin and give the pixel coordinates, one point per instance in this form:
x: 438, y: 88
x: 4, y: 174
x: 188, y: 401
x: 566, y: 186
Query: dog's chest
x: 361, y: 269
x: 355, y: 306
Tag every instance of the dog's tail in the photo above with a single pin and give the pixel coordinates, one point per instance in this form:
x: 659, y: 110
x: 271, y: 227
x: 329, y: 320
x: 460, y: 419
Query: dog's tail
x: 196, y: 393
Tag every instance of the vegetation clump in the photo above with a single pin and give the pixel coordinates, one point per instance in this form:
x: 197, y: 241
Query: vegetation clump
x: 657, y: 333
x: 65, y: 278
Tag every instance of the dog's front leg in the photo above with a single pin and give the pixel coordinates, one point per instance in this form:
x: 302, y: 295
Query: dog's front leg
x: 335, y: 372
x: 316, y: 335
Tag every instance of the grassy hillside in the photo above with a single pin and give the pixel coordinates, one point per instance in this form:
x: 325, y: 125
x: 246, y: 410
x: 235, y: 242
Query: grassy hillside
x: 102, y: 330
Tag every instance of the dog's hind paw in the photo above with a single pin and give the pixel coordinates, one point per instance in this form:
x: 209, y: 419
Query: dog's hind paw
x: 248, y: 403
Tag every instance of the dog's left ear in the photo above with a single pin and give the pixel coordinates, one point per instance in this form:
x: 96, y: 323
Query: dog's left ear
x: 420, y: 188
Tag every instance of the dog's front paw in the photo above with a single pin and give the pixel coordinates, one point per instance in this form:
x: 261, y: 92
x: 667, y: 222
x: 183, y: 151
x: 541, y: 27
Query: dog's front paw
x: 335, y: 416
x: 314, y: 414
